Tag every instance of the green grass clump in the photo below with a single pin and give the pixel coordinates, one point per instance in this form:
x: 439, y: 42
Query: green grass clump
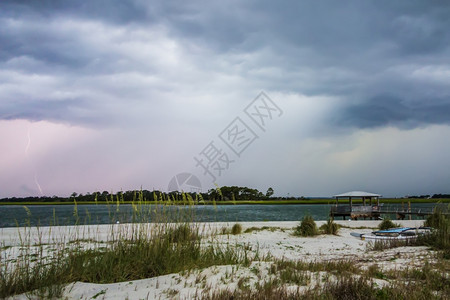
x: 435, y: 220
x: 387, y: 224
x: 307, y: 227
x: 253, y: 228
x: 289, y: 272
x: 381, y: 245
x: 131, y: 260
x: 182, y: 233
x: 340, y: 266
x: 439, y: 239
x: 236, y: 229
x: 347, y: 287
x: 269, y: 228
x: 330, y: 227
x: 376, y: 272
x: 266, y: 290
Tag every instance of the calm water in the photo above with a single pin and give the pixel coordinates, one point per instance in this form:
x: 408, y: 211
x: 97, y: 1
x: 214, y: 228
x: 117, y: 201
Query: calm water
x: 11, y: 216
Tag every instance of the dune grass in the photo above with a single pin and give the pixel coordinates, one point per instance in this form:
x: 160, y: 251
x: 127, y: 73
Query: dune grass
x: 307, y: 227
x: 330, y: 227
x: 342, y: 280
x: 439, y: 239
x: 148, y: 252
x: 236, y: 229
x: 387, y: 224
x: 381, y: 245
x: 133, y: 251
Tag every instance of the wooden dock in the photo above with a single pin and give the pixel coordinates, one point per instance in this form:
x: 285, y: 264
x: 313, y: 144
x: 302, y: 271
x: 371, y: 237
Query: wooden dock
x: 372, y: 209
x: 356, y: 212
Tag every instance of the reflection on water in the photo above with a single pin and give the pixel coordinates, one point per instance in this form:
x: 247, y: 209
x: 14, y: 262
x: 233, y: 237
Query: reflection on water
x: 44, y: 215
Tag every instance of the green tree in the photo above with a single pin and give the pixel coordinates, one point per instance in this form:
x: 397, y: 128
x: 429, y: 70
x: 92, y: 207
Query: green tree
x: 269, y: 192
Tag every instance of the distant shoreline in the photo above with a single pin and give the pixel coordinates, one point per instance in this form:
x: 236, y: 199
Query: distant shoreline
x: 238, y: 202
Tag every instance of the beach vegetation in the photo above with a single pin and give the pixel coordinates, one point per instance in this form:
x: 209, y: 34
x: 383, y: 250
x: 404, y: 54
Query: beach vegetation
x: 268, y: 228
x: 435, y: 220
x: 387, y: 224
x: 236, y: 229
x: 381, y: 245
x: 330, y: 227
x: 439, y: 239
x: 307, y: 227
x: 292, y: 280
x: 133, y: 251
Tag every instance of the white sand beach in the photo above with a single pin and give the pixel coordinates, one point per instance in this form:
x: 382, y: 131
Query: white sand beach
x: 274, y: 238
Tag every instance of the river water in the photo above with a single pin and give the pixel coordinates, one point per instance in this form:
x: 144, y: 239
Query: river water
x: 44, y: 215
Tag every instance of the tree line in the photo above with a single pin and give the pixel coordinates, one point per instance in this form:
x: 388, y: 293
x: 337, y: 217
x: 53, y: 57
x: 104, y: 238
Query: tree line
x: 225, y: 193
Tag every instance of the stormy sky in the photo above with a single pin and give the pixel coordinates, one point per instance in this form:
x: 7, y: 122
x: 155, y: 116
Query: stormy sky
x: 311, y: 98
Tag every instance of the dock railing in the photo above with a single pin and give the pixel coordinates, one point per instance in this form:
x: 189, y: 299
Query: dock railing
x: 421, y: 211
x: 346, y: 210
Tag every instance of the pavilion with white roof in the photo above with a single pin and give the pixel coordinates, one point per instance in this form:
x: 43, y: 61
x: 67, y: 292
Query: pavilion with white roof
x: 359, y: 195
x: 360, y: 210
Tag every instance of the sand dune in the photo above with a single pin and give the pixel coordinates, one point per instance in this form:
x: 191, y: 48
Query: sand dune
x: 268, y: 237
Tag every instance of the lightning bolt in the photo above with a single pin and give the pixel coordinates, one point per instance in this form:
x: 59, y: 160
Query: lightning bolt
x: 28, y: 157
x: 37, y: 183
x: 29, y: 142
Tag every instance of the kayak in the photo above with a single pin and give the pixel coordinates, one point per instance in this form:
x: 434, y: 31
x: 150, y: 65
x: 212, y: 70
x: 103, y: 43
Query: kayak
x: 404, y: 233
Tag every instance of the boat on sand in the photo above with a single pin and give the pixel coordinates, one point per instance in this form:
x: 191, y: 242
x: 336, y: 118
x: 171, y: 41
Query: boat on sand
x: 403, y: 233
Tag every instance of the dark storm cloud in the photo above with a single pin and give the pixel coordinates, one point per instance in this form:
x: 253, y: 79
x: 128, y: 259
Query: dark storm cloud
x: 385, y: 110
x: 363, y: 53
x: 65, y: 110
x: 349, y: 47
x: 116, y: 11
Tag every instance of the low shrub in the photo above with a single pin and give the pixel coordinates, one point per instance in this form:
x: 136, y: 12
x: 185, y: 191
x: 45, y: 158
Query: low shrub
x: 436, y: 220
x: 381, y: 245
x: 375, y: 271
x: 349, y: 287
x: 307, y: 227
x: 269, y: 290
x: 182, y: 233
x: 330, y: 227
x: 387, y: 224
x: 439, y: 239
x: 236, y: 229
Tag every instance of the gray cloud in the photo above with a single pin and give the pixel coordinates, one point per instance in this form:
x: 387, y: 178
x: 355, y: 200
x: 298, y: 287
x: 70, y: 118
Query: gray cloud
x: 386, y: 110
x: 65, y: 111
x: 347, y: 51
x: 115, y: 11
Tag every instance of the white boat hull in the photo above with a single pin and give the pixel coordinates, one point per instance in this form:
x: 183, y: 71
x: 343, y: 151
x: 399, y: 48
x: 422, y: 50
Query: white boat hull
x: 408, y: 234
x: 368, y: 236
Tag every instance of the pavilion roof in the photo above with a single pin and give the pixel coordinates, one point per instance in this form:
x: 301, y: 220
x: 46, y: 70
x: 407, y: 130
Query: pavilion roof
x: 356, y: 194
